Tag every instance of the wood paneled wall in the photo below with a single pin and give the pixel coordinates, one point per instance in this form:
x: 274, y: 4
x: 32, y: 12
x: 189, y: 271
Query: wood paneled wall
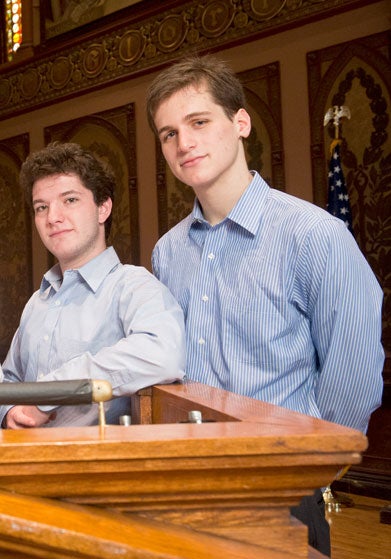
x: 296, y: 59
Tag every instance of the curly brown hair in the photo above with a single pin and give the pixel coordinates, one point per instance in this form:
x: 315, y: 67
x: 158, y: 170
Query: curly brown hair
x: 69, y: 159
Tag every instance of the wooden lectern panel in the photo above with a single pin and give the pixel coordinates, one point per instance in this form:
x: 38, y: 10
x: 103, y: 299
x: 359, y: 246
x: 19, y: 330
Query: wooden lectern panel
x: 232, y: 478
x: 35, y: 526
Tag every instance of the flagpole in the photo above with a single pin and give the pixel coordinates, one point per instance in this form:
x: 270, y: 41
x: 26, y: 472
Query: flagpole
x: 333, y: 501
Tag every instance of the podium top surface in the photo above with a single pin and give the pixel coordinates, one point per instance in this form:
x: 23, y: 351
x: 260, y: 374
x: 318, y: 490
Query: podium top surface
x: 234, y: 425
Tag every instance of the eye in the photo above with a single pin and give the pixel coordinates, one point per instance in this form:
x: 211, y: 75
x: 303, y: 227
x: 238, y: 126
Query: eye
x: 39, y: 209
x: 71, y: 200
x: 168, y: 136
x: 200, y: 122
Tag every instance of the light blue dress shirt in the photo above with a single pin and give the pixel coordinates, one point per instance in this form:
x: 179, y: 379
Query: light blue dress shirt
x: 105, y: 321
x: 280, y: 305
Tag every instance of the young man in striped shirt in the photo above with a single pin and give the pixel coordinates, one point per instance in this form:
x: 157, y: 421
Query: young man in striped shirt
x: 279, y: 303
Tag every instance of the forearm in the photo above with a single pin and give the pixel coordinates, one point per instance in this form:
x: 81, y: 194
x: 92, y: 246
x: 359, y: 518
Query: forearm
x: 139, y: 360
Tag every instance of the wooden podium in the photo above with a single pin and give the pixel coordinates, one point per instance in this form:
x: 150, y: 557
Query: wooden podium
x: 165, y: 488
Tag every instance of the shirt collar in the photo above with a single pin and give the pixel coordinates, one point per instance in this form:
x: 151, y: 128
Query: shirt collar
x: 247, y: 210
x: 93, y: 273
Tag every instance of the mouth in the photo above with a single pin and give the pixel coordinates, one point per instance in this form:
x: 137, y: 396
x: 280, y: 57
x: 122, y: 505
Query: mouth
x: 190, y: 162
x: 55, y: 234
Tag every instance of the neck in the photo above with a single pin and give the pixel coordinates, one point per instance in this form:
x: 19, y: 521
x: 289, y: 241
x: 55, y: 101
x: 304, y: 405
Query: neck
x: 218, y: 200
x: 78, y: 261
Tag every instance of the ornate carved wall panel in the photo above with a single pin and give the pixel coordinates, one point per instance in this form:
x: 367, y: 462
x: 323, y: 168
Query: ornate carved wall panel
x: 111, y: 136
x: 264, y: 148
x: 145, y: 36
x: 15, y: 240
x: 358, y: 74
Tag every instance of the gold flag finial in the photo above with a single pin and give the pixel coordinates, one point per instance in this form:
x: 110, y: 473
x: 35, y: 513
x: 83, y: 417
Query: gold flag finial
x: 336, y: 114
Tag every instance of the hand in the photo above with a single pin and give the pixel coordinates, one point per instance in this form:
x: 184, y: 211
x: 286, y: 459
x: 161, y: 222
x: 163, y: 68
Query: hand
x: 22, y: 417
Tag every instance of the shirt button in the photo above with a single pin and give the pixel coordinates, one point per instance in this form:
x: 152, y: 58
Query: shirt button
x: 57, y: 303
x: 211, y: 256
x: 201, y: 341
x: 205, y: 298
x: 41, y: 375
x: 46, y: 337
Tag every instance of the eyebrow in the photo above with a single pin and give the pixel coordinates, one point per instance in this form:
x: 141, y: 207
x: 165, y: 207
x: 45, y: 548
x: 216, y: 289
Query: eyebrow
x: 188, y: 117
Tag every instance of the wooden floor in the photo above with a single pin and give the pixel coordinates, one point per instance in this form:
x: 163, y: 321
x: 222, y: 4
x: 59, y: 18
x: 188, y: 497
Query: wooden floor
x: 356, y: 532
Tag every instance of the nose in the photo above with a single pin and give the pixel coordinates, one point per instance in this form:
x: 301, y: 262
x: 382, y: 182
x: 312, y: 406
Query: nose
x: 186, y: 141
x: 54, y: 214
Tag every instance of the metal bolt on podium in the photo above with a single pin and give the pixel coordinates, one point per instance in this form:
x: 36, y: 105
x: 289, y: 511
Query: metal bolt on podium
x: 195, y: 416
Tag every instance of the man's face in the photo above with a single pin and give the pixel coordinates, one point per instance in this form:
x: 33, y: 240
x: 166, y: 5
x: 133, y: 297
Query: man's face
x: 200, y: 143
x: 69, y: 222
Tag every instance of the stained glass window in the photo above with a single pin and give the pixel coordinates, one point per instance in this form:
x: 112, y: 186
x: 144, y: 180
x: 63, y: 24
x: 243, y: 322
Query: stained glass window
x: 13, y: 19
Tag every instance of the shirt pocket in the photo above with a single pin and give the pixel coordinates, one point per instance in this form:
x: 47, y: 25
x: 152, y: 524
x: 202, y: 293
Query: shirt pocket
x: 255, y: 329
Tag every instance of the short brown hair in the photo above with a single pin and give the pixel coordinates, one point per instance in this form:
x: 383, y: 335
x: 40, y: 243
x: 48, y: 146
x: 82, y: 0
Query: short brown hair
x: 69, y: 159
x: 222, y: 83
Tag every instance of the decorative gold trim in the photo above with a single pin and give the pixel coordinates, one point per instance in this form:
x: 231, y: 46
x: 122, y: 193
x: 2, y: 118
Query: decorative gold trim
x: 216, y: 18
x: 60, y: 72
x: 171, y: 33
x: 267, y: 9
x: 144, y: 41
x: 30, y: 83
x: 94, y: 60
x: 131, y: 47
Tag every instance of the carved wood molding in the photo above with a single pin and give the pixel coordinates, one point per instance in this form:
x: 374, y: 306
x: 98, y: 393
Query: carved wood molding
x: 233, y: 477
x: 357, y: 73
x: 15, y: 239
x: 145, y: 38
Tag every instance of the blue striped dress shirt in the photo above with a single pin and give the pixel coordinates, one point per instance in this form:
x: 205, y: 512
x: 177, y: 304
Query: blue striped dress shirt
x: 280, y: 305
x: 105, y: 321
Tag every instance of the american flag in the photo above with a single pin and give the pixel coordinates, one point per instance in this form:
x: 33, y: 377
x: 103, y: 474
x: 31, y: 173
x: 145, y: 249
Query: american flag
x: 338, y: 198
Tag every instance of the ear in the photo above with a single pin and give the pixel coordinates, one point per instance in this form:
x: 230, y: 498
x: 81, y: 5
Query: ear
x: 243, y: 122
x: 104, y: 210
